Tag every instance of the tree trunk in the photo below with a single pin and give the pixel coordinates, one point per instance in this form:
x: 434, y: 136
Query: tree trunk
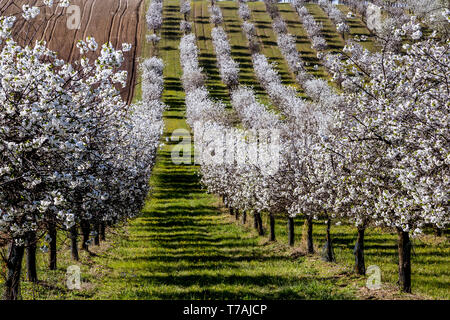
x: 14, y: 265
x: 309, y: 235
x: 255, y: 221
x: 231, y: 211
x: 85, y: 230
x: 103, y: 231
x: 404, y: 261
x: 260, y: 224
x: 31, y: 257
x: 74, y: 243
x: 291, y: 234
x: 328, y: 250
x: 97, y: 233
x: 244, y: 217
x: 360, y: 266
x: 52, y: 234
x: 438, y: 232
x: 236, y: 214
x: 272, y: 227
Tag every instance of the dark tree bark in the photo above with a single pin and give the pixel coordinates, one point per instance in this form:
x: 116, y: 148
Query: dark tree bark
x: 52, y: 233
x: 255, y: 221
x: 404, y: 261
x: 291, y: 234
x: 14, y: 265
x: 231, y: 211
x: 438, y: 232
x: 260, y: 224
x: 97, y: 233
x: 31, y: 257
x: 236, y: 214
x: 309, y: 235
x: 74, y: 243
x: 272, y: 227
x: 360, y: 266
x: 328, y: 249
x: 103, y: 231
x: 244, y: 217
x: 85, y: 230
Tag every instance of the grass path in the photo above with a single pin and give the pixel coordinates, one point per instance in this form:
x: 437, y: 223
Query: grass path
x: 184, y: 247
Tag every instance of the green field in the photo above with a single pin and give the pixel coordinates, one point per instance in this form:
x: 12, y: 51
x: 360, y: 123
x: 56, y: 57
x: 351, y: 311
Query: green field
x: 185, y: 245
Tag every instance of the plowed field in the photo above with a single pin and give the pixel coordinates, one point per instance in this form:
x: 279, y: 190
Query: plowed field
x: 116, y: 21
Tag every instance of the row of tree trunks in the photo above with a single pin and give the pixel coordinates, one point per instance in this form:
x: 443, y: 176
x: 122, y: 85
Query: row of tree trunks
x: 14, y: 265
x: 16, y: 254
x: 404, y: 244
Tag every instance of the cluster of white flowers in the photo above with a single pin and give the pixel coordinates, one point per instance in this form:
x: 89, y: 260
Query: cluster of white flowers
x: 228, y: 68
x: 313, y: 28
x: 154, y: 15
x: 336, y: 16
x: 216, y: 16
x: 73, y: 152
x: 154, y: 20
x: 244, y: 11
x: 200, y: 107
x: 152, y: 79
x: 317, y: 89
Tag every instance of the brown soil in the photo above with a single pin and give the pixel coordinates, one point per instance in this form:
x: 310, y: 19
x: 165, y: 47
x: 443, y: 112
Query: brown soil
x: 116, y: 21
